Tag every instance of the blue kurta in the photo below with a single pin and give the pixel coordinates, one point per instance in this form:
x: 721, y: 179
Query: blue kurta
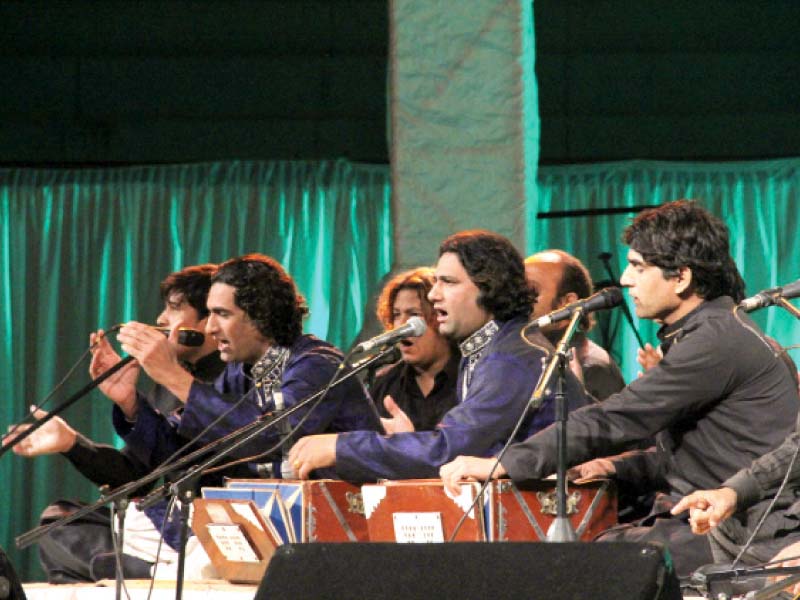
x: 500, y: 386
x: 310, y: 366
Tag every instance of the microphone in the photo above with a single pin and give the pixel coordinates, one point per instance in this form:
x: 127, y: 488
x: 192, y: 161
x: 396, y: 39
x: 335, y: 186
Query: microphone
x: 414, y: 327
x: 606, y: 298
x: 770, y: 296
x: 186, y: 336
x: 391, y: 357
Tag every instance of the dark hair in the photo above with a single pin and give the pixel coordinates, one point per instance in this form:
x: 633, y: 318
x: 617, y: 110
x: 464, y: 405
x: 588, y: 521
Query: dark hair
x: 267, y: 294
x: 683, y: 234
x: 192, y: 283
x: 496, y: 268
x: 418, y: 280
x: 574, y: 278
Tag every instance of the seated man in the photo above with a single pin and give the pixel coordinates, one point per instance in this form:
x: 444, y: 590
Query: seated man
x: 718, y: 399
x: 560, y: 279
x: 423, y: 384
x: 255, y: 317
x: 82, y: 550
x: 482, y: 301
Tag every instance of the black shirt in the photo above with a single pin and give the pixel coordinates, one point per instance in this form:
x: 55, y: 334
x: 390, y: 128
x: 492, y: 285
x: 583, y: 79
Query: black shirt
x: 717, y: 400
x: 399, y: 381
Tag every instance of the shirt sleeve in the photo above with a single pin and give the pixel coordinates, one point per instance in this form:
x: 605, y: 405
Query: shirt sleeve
x: 501, y: 387
x: 676, y: 388
x: 102, y: 464
x: 765, y: 475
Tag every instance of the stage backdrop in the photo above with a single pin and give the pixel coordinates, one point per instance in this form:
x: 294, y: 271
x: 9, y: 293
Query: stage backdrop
x: 86, y: 249
x: 83, y: 249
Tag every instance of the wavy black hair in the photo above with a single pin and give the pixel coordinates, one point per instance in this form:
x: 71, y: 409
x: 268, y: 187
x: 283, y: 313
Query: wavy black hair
x: 193, y: 284
x: 267, y: 294
x: 683, y: 234
x: 496, y: 268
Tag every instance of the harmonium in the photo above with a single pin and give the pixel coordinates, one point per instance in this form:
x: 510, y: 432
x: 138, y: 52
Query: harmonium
x: 423, y: 511
x: 240, y: 525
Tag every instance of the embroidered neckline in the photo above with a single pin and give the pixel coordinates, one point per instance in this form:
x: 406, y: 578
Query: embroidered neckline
x: 479, y: 339
x: 269, y: 368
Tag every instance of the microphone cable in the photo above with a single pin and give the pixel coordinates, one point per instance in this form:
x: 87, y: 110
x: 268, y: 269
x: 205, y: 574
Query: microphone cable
x: 29, y: 418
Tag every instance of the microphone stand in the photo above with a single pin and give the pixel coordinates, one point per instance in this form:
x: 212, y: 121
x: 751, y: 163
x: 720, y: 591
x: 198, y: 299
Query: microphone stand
x: 606, y: 258
x: 67, y: 403
x: 120, y: 506
x: 560, y: 529
x: 221, y: 448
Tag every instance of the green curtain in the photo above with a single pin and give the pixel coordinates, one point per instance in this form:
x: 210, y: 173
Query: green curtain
x: 82, y: 249
x: 758, y: 201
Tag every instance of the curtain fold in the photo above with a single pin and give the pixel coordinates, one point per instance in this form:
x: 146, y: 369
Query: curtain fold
x: 84, y: 249
x: 757, y: 200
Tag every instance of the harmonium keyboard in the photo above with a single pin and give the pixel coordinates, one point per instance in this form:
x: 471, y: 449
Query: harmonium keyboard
x: 241, y: 524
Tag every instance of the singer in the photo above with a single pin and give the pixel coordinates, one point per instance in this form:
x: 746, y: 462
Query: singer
x: 421, y: 387
x: 717, y: 399
x: 83, y: 550
x: 560, y: 279
x: 482, y: 301
x: 255, y: 319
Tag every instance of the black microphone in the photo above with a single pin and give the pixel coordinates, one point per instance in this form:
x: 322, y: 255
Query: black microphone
x: 607, y: 298
x: 414, y: 327
x: 186, y: 336
x: 771, y: 296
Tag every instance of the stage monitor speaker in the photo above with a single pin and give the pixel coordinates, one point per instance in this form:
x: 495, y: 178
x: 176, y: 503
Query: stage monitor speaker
x: 470, y: 571
x: 10, y: 587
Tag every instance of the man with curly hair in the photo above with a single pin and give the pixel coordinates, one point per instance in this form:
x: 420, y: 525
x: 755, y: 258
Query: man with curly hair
x: 256, y: 318
x: 719, y: 398
x: 481, y: 301
x: 421, y: 387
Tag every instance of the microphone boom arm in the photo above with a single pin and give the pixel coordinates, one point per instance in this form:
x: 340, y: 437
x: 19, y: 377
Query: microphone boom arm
x: 67, y: 403
x: 236, y: 439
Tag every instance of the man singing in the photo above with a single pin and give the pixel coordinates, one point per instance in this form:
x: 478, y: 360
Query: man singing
x: 255, y: 316
x: 423, y: 384
x: 482, y: 301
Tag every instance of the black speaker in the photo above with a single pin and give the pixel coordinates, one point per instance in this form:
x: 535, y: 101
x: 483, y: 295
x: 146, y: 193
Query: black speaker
x: 470, y: 571
x: 10, y: 587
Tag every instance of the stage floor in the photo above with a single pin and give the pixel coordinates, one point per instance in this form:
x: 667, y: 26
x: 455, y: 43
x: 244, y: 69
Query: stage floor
x: 138, y: 589
x: 162, y: 590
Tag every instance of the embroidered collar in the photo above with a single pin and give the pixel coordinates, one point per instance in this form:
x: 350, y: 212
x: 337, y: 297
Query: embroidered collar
x: 472, y: 349
x: 269, y: 368
x: 479, y: 339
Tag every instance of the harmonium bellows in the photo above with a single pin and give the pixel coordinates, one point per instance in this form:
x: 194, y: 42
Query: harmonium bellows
x: 423, y: 511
